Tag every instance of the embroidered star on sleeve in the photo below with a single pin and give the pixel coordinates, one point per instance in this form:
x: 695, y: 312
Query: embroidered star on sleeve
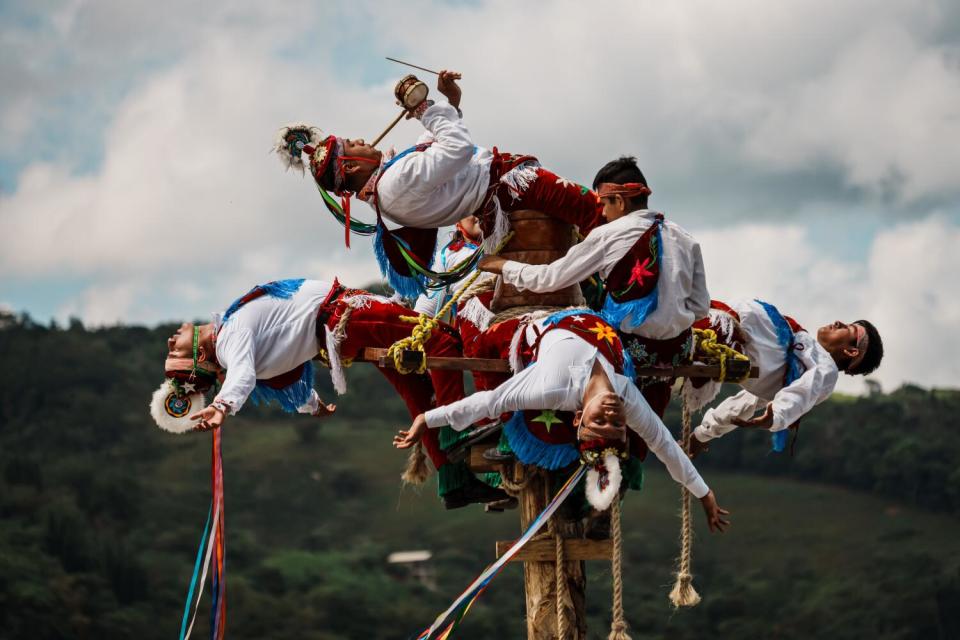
x: 548, y: 418
x: 577, y: 318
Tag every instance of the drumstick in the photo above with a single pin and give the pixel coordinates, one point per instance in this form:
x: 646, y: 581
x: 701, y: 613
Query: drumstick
x: 436, y: 73
x: 389, y: 127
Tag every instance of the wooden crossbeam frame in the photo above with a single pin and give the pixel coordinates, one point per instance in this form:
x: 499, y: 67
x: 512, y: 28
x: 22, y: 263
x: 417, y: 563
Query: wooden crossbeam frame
x: 413, y: 358
x: 545, y: 550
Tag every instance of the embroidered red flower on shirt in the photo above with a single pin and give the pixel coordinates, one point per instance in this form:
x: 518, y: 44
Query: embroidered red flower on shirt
x: 639, y: 272
x: 604, y: 332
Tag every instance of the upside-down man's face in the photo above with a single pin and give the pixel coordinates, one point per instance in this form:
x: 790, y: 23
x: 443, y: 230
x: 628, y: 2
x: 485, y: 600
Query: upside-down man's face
x: 180, y: 344
x: 839, y: 339
x: 605, y: 413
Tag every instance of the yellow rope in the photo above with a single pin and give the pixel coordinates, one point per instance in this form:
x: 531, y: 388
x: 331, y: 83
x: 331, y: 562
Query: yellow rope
x: 425, y: 325
x: 710, y: 347
x: 324, y: 360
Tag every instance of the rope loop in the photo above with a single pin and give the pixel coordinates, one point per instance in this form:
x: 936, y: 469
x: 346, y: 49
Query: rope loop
x: 708, y: 346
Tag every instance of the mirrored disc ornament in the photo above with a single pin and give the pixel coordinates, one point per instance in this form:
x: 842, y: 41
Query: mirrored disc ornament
x: 172, y: 411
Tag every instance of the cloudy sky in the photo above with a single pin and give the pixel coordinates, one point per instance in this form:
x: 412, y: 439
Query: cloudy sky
x: 812, y: 147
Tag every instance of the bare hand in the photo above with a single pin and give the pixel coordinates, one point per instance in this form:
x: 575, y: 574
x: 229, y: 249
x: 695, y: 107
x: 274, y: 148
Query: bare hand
x: 491, y: 264
x: 324, y: 410
x: 697, y: 447
x: 406, y: 439
x: 447, y: 85
x: 762, y: 421
x: 714, y: 513
x: 209, y: 418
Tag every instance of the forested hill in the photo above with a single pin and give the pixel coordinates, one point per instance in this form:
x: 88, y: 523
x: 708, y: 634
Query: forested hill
x: 100, y: 515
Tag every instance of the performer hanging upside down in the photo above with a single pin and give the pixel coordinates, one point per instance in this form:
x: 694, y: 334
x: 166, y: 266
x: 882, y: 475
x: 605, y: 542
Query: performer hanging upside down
x: 654, y: 281
x: 440, y: 180
x: 263, y: 346
x: 797, y: 370
x: 577, y: 364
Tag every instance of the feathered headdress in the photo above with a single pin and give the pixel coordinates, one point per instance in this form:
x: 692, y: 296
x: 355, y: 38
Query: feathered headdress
x: 323, y: 153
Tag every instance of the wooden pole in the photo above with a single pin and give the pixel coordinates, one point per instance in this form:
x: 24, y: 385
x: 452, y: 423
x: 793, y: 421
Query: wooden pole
x: 540, y: 578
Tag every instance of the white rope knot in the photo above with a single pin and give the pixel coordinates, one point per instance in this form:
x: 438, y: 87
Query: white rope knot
x: 683, y: 594
x: 618, y: 624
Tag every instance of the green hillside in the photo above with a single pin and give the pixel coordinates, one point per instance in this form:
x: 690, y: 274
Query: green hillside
x: 100, y: 515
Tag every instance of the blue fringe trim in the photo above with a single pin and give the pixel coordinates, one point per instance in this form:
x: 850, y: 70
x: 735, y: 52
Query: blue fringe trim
x: 615, y: 312
x: 778, y: 439
x: 291, y: 397
x: 629, y: 370
x: 283, y: 289
x: 531, y: 450
x: 406, y: 286
x: 560, y: 315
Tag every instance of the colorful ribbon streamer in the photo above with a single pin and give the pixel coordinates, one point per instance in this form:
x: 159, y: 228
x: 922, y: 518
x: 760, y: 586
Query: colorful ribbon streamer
x: 447, y: 622
x: 211, y: 546
x: 218, y: 579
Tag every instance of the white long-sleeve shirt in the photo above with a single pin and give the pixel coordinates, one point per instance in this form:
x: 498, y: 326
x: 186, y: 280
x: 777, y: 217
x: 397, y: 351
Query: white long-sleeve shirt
x: 682, y: 296
x: 268, y: 337
x: 790, y: 402
x: 442, y: 184
x: 557, y: 380
x: 430, y: 302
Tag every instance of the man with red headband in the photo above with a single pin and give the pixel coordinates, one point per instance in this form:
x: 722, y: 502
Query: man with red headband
x: 263, y: 346
x: 440, y: 180
x: 654, y: 280
x: 797, y: 370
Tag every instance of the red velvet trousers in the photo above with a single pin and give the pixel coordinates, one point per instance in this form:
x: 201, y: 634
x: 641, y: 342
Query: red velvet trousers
x: 379, y: 325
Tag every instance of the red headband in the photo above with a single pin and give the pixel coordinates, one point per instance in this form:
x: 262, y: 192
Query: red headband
x: 863, y: 341
x: 628, y: 190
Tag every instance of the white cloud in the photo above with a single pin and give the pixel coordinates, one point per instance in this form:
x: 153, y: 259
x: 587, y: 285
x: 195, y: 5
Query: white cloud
x: 187, y: 182
x: 884, y: 112
x: 912, y: 292
x: 102, y: 305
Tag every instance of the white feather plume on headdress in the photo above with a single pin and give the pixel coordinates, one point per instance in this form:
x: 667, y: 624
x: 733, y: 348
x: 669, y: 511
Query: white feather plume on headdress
x: 290, y: 152
x: 600, y: 498
x: 175, y: 419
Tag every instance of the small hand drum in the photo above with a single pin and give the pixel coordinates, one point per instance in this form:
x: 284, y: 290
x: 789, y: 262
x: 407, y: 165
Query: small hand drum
x: 410, y: 92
